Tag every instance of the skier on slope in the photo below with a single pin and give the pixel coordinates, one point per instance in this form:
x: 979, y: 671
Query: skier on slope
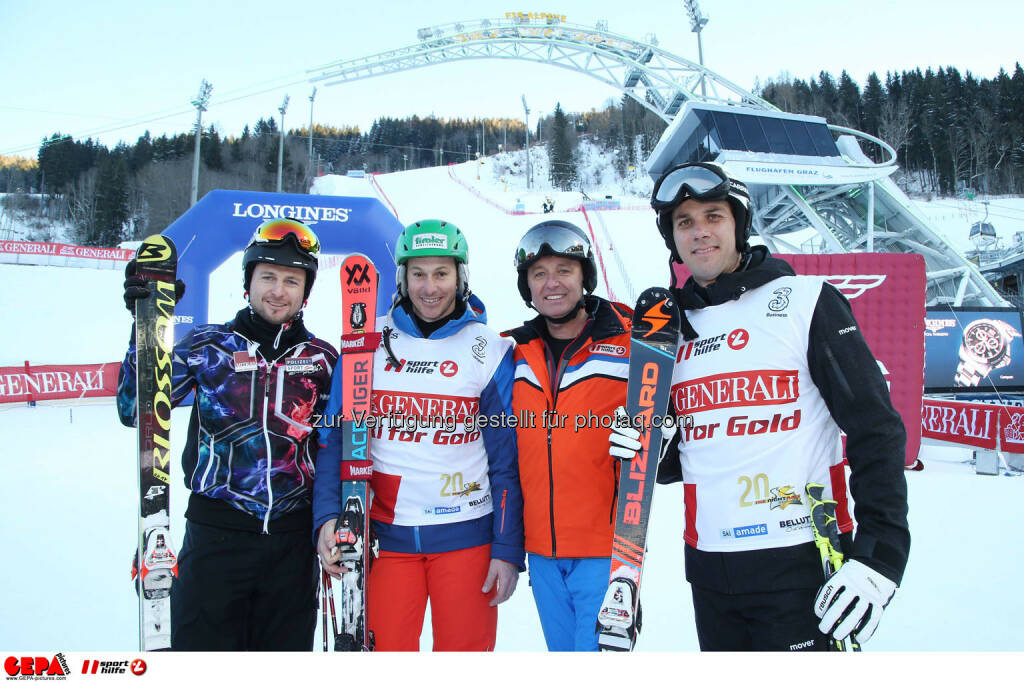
x: 572, y: 360
x: 248, y: 579
x: 771, y: 367
x: 447, y: 509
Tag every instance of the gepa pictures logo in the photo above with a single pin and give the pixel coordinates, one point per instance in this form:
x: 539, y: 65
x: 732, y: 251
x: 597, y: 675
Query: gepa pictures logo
x: 430, y: 240
x: 36, y: 667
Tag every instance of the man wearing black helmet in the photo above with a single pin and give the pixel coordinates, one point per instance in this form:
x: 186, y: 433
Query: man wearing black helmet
x: 771, y: 367
x: 247, y: 575
x: 572, y: 364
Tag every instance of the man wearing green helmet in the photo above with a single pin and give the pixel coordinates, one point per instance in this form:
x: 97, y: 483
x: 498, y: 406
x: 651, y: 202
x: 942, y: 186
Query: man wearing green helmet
x: 447, y: 506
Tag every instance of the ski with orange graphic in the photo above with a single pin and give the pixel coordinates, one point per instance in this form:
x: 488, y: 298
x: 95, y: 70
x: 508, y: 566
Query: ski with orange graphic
x: 652, y: 349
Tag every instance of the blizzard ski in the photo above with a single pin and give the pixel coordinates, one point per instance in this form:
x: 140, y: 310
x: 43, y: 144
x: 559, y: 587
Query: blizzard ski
x: 155, y: 561
x: 652, y: 349
x: 825, y: 528
x: 352, y: 531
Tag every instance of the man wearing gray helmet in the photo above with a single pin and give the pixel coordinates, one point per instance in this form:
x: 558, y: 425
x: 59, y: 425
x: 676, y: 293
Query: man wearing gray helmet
x: 572, y: 363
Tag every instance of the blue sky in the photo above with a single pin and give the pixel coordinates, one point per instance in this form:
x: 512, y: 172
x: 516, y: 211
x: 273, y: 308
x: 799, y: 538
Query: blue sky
x: 77, y: 67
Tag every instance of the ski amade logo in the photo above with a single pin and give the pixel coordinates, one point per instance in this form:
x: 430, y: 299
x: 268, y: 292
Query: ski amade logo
x: 33, y: 667
x: 430, y: 240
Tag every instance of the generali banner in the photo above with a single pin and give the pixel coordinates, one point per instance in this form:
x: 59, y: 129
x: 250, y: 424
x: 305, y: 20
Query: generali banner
x: 887, y: 294
x: 68, y: 250
x: 57, y: 382
x: 973, y: 424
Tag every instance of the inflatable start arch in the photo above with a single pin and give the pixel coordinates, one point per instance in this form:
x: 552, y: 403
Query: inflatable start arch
x: 223, y: 222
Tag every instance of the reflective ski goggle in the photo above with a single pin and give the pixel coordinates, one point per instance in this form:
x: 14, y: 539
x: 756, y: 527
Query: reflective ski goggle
x: 551, y: 240
x: 274, y: 231
x: 696, y: 181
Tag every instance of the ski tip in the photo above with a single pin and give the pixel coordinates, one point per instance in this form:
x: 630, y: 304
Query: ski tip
x: 656, y: 315
x: 156, y: 248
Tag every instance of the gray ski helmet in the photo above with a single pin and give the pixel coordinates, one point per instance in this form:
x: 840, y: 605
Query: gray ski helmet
x: 703, y: 181
x: 282, y: 241
x: 555, y: 238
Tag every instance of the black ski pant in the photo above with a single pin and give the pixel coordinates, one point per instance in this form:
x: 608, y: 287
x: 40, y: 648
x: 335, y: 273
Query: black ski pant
x: 763, y: 621
x: 239, y: 591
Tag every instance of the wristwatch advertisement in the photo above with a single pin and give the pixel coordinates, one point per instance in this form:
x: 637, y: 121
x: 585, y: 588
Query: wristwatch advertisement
x: 985, y: 346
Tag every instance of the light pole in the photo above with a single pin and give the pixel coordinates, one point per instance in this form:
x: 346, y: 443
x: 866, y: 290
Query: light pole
x: 311, y: 98
x: 200, y: 104
x: 697, y: 23
x: 529, y: 173
x: 280, y: 150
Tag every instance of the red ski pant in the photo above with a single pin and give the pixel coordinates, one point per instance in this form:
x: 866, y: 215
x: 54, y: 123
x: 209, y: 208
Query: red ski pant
x: 400, y: 585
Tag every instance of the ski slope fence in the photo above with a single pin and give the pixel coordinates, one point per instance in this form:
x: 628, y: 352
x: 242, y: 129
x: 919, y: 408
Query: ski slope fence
x: 63, y: 255
x: 29, y: 383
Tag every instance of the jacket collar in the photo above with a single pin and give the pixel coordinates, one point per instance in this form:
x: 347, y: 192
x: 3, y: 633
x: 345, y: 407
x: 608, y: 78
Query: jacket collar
x: 757, y: 268
x: 604, y: 320
x: 273, y: 339
x: 404, y: 322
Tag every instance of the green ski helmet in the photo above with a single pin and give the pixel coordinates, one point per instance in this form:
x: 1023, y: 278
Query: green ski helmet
x: 432, y: 238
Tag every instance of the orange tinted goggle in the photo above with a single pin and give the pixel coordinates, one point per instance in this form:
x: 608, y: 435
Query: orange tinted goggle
x: 276, y: 230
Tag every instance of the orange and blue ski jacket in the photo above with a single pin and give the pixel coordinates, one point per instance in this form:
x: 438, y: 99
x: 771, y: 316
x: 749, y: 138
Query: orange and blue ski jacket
x: 568, y: 479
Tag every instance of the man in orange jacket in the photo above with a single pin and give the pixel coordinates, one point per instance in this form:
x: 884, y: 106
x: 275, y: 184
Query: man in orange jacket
x: 572, y: 364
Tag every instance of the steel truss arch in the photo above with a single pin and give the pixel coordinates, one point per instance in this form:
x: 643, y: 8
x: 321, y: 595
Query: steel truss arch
x: 658, y: 80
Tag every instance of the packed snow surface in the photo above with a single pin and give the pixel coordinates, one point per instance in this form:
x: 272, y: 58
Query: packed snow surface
x: 68, y: 471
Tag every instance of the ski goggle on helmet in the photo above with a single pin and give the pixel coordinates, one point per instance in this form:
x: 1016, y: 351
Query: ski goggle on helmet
x: 701, y: 181
x: 553, y: 238
x: 276, y: 231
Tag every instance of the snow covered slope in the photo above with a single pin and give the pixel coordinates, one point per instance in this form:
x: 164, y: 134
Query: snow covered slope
x: 67, y: 478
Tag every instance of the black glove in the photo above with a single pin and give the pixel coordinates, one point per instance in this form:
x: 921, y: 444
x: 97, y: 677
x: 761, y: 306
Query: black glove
x: 135, y: 287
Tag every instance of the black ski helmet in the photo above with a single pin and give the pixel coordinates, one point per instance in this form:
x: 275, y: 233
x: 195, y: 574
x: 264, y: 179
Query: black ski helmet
x: 282, y: 241
x: 555, y: 238
x: 702, y: 181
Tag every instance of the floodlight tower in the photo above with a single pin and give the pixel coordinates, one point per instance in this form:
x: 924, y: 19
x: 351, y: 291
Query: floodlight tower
x: 529, y: 173
x: 280, y: 150
x: 697, y: 23
x: 311, y: 98
x: 199, y: 103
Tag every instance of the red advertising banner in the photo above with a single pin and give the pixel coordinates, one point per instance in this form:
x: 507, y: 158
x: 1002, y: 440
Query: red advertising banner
x: 965, y: 423
x: 68, y: 250
x: 887, y: 293
x: 57, y: 382
x: 1011, y: 429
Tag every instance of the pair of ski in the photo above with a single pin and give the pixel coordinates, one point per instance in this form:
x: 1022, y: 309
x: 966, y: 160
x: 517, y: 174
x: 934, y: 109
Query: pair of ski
x: 155, y: 563
x: 352, y: 536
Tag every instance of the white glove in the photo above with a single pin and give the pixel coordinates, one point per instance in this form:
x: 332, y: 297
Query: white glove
x: 624, y: 441
x: 855, y: 587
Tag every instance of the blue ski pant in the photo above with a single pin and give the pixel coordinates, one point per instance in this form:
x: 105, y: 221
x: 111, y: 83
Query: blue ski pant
x: 568, y: 594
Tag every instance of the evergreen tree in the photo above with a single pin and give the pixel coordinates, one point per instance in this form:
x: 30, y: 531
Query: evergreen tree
x: 111, y: 202
x: 211, y: 151
x: 848, y: 101
x: 562, y: 166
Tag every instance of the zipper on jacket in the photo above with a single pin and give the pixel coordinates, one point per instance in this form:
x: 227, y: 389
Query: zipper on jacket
x: 556, y: 380
x: 551, y: 497
x: 266, y: 438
